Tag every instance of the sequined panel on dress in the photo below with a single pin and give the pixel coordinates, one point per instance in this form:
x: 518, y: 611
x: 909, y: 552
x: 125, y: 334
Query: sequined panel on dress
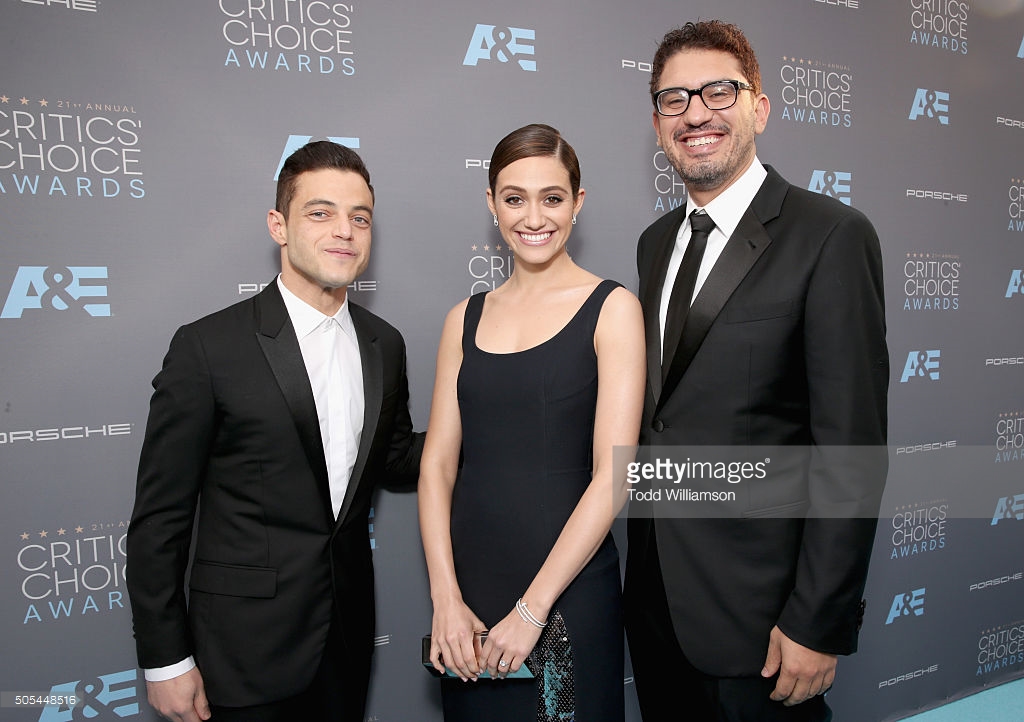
x: 553, y: 664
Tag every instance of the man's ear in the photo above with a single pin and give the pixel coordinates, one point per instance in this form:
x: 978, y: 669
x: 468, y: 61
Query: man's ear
x: 278, y: 227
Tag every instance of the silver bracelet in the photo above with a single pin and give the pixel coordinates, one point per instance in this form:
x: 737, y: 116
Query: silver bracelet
x: 527, y: 616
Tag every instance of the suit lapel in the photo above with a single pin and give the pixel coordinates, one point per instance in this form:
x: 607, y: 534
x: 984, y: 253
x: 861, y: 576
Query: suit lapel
x: 276, y: 337
x: 745, y: 246
x: 373, y: 393
x: 651, y: 301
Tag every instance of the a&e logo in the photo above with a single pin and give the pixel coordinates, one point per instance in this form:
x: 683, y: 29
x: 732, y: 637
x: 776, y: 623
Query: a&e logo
x: 1015, y: 286
x: 832, y: 183
x: 109, y: 694
x: 921, y: 364
x: 906, y: 603
x: 932, y: 104
x: 1009, y: 507
x: 59, y: 288
x: 502, y: 44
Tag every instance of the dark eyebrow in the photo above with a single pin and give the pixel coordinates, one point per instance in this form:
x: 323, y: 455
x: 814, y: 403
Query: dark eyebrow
x: 319, y: 202
x: 517, y: 189
x: 331, y: 204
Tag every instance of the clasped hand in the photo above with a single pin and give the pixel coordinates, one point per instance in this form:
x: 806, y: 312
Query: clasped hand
x: 456, y: 643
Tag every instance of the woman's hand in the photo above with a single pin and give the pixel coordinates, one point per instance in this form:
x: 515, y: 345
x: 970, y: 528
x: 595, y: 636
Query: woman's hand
x: 454, y: 641
x: 510, y: 641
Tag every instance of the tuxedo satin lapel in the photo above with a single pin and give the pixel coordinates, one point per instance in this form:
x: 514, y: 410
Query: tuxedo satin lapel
x: 745, y: 246
x: 373, y: 393
x: 651, y: 301
x: 276, y: 337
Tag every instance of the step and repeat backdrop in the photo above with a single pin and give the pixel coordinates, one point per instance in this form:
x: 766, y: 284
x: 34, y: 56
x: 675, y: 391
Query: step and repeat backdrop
x: 139, y: 142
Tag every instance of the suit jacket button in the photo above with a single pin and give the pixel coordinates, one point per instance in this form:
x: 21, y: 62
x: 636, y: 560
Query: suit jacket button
x: 658, y: 426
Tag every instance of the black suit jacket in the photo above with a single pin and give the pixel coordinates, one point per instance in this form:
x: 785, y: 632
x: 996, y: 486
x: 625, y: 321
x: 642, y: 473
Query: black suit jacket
x: 784, y: 345
x: 233, y: 427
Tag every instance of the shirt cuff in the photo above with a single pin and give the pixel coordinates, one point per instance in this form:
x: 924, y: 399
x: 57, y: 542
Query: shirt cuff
x: 162, y: 674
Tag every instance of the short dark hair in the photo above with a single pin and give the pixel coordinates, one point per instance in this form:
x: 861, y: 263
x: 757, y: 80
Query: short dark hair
x: 707, y: 35
x: 317, y: 155
x: 532, y: 141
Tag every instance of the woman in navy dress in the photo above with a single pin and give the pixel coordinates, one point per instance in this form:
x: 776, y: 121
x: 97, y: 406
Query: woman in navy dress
x: 537, y: 382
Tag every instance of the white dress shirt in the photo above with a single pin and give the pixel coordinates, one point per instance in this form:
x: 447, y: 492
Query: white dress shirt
x: 725, y: 210
x: 330, y: 351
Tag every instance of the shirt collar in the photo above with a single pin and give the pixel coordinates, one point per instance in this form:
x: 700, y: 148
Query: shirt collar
x: 728, y: 207
x: 305, y: 318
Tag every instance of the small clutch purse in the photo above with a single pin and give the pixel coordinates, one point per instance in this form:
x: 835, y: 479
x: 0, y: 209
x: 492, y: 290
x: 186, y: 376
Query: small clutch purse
x: 524, y: 671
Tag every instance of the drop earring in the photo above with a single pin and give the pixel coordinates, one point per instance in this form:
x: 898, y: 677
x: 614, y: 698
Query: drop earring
x: 574, y: 219
x: 495, y: 221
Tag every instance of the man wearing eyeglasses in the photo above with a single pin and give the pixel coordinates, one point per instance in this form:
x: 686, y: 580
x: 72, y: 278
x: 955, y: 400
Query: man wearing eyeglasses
x: 765, y: 328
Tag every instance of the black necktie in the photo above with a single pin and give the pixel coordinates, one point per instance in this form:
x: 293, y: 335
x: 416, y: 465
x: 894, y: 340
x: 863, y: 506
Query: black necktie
x: 682, y: 290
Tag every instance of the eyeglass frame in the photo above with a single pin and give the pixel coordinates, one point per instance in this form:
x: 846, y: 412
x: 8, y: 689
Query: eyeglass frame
x: 699, y: 92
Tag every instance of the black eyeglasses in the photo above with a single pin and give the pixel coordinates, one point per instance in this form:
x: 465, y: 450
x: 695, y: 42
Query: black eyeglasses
x: 717, y: 95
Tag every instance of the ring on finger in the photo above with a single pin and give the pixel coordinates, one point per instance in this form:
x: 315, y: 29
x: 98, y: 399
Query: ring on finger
x: 503, y: 663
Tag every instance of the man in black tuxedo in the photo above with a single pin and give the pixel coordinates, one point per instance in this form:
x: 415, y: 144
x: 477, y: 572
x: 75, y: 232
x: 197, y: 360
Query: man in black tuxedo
x: 277, y: 416
x: 784, y: 345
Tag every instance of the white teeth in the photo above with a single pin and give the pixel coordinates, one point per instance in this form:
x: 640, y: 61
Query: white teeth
x: 535, y: 237
x: 704, y: 140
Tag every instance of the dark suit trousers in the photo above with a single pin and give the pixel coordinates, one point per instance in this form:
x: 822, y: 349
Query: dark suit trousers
x: 337, y: 693
x: 670, y: 689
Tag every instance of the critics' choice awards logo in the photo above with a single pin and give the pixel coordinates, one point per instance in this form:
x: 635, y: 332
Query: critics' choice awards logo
x: 490, y: 263
x: 1000, y: 648
x: 288, y: 36
x: 79, y: 289
x: 1015, y: 193
x: 919, y: 529
x: 491, y: 42
x: 63, y: 148
x: 932, y: 104
x: 940, y: 24
x: 816, y: 92
x: 832, y: 183
x: 931, y: 282
x: 669, y: 187
x: 921, y: 366
x: 72, y: 573
x: 906, y: 604
x: 107, y: 696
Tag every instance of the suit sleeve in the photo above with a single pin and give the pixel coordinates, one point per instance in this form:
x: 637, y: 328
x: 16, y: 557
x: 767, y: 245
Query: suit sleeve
x: 178, y: 436
x: 402, y: 466
x: 847, y: 378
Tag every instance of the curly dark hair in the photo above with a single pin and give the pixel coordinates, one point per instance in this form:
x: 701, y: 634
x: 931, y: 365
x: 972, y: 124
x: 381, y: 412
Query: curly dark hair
x: 707, y: 35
